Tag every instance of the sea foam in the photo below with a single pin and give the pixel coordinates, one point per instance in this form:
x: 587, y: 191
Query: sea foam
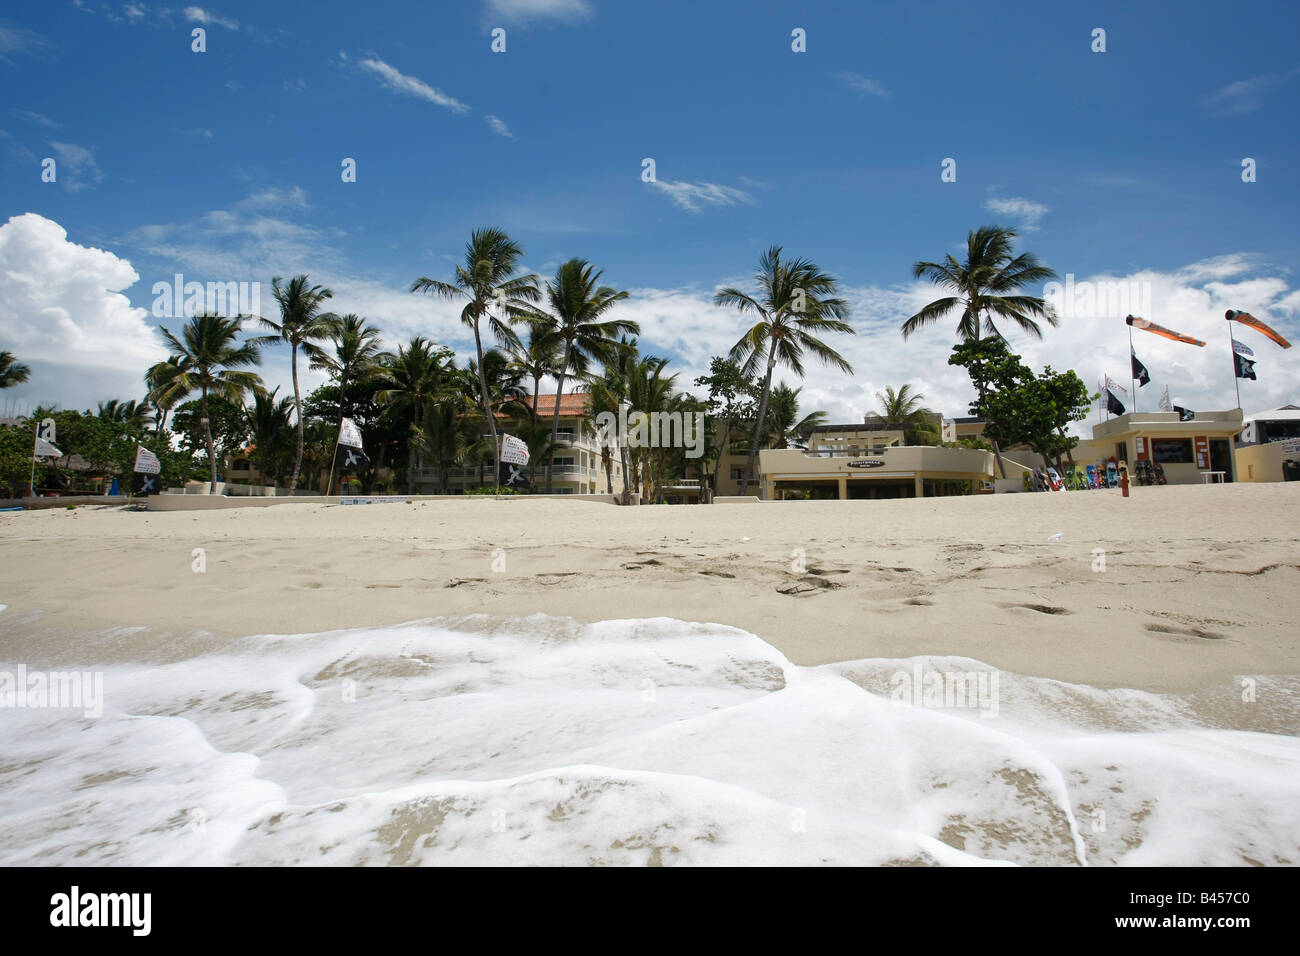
x: 542, y: 741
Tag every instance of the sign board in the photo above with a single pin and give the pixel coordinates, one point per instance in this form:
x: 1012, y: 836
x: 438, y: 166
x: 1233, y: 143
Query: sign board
x: 866, y: 463
x: 1202, y: 444
x: 375, y: 500
x: 1141, y: 448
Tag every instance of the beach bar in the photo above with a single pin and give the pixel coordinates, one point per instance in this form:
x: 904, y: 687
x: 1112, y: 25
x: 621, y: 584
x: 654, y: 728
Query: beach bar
x: 895, y: 471
x: 1198, y: 450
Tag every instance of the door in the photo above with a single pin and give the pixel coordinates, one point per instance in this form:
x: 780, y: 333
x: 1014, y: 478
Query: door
x: 1221, y: 457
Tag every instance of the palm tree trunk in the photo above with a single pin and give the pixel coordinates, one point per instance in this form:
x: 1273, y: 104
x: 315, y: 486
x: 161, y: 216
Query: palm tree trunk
x: 762, y: 414
x: 555, y: 419
x: 207, y: 435
x: 722, y: 451
x: 297, y: 404
x: 487, y: 404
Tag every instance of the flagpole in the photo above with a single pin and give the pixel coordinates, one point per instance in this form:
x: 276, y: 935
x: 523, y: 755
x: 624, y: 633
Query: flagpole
x: 333, y: 460
x: 1232, y: 347
x: 1131, y: 380
x: 31, y: 485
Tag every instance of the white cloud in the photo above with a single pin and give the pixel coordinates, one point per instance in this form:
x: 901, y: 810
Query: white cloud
x: 499, y: 127
x: 76, y: 167
x: 37, y: 118
x: 17, y: 40
x: 694, y: 196
x: 62, y: 312
x: 1026, y: 212
x: 863, y: 86
x: 520, y: 10
x: 199, y: 15
x: 135, y: 11
x: 1245, y: 96
x: 396, y: 80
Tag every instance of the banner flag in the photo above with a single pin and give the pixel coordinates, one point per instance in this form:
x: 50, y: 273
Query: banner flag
x: 1111, y: 383
x: 349, y: 434
x: 1113, y: 404
x: 348, y: 458
x: 1137, y: 323
x: 146, y: 462
x: 1245, y: 367
x: 45, y: 450
x: 513, y: 475
x: 1245, y: 318
x: 1139, y: 370
x: 513, y: 450
x: 1165, y: 406
x: 1242, y: 349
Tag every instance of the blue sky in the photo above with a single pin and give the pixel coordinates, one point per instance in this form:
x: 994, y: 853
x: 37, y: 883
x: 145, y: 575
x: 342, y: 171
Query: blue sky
x: 225, y: 166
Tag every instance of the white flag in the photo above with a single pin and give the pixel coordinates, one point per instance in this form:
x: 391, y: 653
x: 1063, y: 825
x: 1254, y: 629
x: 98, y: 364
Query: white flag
x: 1165, y: 405
x: 1111, y: 383
x: 350, y: 435
x: 146, y: 462
x: 1242, y: 349
x: 513, y: 450
x: 45, y: 450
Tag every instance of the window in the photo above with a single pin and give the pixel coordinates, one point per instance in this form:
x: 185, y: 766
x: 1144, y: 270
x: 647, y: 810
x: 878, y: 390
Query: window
x: 1171, y: 450
x: 737, y: 472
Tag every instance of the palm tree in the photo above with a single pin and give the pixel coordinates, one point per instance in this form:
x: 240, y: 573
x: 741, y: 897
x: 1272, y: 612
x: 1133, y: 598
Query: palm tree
x: 161, y: 395
x: 577, y: 304
x: 411, y: 379
x: 302, y: 324
x: 211, y: 360
x: 354, y: 358
x: 649, y: 391
x: 487, y: 279
x: 795, y: 301
x: 12, y: 372
x: 269, y: 422
x: 987, y: 284
x: 785, y: 429
x: 128, y: 413
x: 537, y: 358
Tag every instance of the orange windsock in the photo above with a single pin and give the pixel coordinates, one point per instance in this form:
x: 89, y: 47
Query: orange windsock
x: 1137, y: 323
x: 1245, y: 318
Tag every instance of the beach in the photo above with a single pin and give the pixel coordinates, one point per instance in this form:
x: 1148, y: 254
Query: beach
x: 515, y: 680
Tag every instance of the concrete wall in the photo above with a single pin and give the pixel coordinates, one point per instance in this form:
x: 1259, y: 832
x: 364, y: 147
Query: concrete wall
x: 1262, y: 462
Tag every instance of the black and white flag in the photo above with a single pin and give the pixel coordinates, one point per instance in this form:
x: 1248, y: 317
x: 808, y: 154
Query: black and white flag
x: 1113, y: 404
x: 1139, y: 370
x: 1242, y: 349
x: 350, y: 434
x: 1245, y: 367
x: 1184, y: 414
x: 514, y: 450
x: 146, y: 462
x: 514, y: 476
x: 145, y: 484
x: 348, y: 458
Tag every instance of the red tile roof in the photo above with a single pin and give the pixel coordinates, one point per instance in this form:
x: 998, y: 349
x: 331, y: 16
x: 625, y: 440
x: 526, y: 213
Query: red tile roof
x: 572, y: 403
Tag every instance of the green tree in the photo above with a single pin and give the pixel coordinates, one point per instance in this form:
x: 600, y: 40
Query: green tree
x: 987, y: 284
x: 12, y: 372
x: 212, y: 361
x: 732, y: 398
x: 577, y: 306
x: 354, y: 356
x: 417, y: 374
x: 485, y: 281
x: 795, y: 303
x: 302, y: 325
x: 268, y: 423
x: 129, y: 412
x: 902, y: 409
x: 784, y: 428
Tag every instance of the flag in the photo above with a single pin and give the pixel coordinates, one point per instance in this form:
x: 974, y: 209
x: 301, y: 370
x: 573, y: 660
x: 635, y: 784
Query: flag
x: 1111, y: 383
x: 45, y: 450
x: 1113, y: 404
x: 1245, y: 318
x: 146, y: 462
x: 1242, y: 349
x: 349, y: 434
x: 1137, y: 323
x: 1164, y: 401
x: 513, y: 450
x: 45, y: 430
x: 348, y: 458
x: 513, y: 475
x: 145, y: 483
x: 1139, y: 370
x: 1184, y: 414
x: 1245, y: 367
